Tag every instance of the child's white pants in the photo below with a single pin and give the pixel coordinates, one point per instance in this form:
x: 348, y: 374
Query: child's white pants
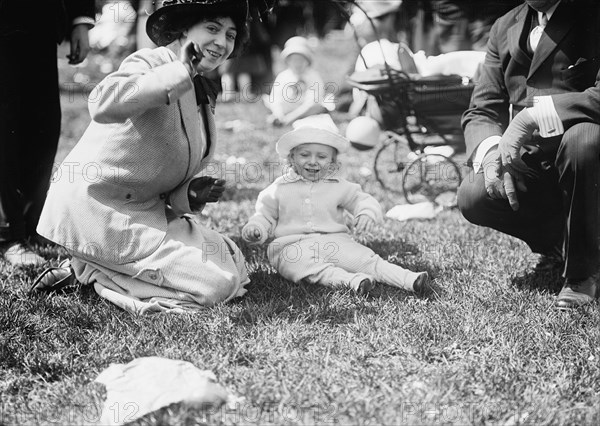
x: 334, y: 260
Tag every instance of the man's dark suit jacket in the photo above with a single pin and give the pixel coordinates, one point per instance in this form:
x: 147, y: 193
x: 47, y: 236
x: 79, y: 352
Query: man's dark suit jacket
x: 565, y: 65
x: 30, y: 115
x: 50, y: 18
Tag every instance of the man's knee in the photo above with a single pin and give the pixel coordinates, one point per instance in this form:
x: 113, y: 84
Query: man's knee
x: 581, y: 145
x: 471, y: 198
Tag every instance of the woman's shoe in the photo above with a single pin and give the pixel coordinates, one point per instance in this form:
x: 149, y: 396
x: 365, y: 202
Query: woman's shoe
x: 54, y: 279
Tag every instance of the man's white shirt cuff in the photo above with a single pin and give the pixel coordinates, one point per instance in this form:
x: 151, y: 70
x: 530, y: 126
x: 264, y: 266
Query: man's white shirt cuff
x: 483, y: 148
x: 84, y: 20
x: 544, y: 114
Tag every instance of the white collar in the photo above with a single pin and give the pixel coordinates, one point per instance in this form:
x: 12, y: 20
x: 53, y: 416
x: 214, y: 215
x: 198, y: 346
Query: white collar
x: 291, y: 176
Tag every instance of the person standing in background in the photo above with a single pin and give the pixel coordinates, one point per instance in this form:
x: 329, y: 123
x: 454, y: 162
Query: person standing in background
x: 252, y: 72
x: 465, y: 24
x: 30, y: 111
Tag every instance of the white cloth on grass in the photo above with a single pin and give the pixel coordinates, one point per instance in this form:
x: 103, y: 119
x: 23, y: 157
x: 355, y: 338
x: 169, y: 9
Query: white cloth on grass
x: 147, y: 384
x: 424, y: 210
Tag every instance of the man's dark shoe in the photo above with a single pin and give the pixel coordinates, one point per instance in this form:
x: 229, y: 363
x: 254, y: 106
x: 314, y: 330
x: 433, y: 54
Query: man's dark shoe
x: 54, y: 279
x: 577, y: 293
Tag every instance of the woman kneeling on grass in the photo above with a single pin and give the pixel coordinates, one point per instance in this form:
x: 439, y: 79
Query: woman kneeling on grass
x: 130, y: 227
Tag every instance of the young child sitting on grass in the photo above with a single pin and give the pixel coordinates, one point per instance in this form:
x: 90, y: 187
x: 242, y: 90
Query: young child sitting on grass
x: 304, y: 211
x: 299, y: 90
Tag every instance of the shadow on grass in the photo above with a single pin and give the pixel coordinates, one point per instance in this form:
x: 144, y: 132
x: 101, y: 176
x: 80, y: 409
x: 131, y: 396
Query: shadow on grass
x: 408, y: 256
x: 549, y: 281
x: 277, y: 296
x: 272, y: 297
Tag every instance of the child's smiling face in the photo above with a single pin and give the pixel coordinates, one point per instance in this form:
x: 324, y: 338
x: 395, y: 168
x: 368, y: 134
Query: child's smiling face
x: 312, y: 161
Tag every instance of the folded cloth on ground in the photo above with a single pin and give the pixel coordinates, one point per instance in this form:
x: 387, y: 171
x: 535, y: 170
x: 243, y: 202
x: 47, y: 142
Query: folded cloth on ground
x: 424, y: 210
x: 150, y: 383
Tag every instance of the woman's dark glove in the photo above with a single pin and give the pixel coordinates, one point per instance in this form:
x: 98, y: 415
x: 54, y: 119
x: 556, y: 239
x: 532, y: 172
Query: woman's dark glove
x: 204, y: 190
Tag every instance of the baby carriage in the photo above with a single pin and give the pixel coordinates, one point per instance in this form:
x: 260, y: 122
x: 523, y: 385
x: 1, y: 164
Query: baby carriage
x: 418, y: 156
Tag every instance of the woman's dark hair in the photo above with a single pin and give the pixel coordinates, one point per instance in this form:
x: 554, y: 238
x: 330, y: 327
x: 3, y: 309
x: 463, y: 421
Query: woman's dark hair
x: 179, y: 23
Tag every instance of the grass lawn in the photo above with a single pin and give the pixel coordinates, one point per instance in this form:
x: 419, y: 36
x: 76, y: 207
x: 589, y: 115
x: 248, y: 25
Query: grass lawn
x: 489, y: 349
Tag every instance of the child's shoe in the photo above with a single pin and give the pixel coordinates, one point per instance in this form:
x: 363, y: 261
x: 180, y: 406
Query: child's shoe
x: 365, y: 286
x: 421, y: 285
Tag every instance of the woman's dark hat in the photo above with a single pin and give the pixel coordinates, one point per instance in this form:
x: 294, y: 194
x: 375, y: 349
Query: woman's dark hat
x: 166, y: 21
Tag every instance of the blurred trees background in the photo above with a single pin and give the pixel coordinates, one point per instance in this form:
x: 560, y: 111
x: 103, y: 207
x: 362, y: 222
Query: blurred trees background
x: 434, y: 26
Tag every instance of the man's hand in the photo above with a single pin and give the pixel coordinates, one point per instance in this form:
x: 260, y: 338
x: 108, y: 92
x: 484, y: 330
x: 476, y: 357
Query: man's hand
x: 363, y: 223
x: 204, y: 190
x: 499, y: 183
x: 511, y: 169
x: 518, y: 132
x: 80, y: 44
x: 251, y: 233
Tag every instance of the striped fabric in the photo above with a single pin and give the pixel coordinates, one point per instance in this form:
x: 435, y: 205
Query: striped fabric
x: 544, y: 114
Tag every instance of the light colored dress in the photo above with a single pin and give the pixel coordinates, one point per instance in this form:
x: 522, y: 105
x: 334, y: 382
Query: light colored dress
x: 119, y: 202
x: 290, y: 91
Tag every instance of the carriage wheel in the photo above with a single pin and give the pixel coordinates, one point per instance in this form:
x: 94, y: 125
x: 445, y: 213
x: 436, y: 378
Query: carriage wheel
x: 431, y: 177
x: 390, y: 162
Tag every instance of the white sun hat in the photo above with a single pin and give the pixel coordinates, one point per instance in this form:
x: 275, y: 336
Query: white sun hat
x: 298, y: 45
x: 363, y: 133
x: 313, y: 129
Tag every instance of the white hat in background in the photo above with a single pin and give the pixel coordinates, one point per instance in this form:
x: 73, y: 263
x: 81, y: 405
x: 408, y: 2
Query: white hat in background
x: 363, y: 133
x: 298, y: 45
x: 313, y: 129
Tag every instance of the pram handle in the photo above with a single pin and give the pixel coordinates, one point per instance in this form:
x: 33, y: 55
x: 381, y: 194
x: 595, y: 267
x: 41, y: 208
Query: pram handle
x: 378, y: 81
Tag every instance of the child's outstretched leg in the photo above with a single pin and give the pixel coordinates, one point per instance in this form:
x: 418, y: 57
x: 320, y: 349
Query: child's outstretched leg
x: 397, y: 276
x: 312, y: 260
x: 332, y: 276
x: 356, y: 258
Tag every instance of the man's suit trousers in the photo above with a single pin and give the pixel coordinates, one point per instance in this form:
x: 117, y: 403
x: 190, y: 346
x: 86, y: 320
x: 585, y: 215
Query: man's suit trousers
x: 29, y: 129
x: 560, y: 207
